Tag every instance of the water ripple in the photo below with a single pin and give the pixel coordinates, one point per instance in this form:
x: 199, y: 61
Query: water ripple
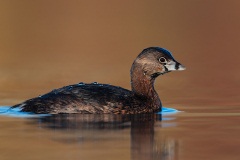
x: 16, y: 112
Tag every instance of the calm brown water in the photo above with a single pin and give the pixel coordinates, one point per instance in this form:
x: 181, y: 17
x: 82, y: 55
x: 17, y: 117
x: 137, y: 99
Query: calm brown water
x: 183, y: 135
x: 46, y: 45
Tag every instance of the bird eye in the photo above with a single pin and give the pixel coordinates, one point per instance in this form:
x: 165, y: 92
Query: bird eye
x: 162, y: 60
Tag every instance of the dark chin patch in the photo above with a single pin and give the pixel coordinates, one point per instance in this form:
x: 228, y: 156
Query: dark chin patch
x: 155, y: 75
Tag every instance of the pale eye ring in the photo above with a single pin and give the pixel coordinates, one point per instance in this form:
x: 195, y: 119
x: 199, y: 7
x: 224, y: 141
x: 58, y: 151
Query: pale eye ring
x: 162, y: 60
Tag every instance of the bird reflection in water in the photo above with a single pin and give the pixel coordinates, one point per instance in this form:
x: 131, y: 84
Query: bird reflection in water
x: 145, y: 143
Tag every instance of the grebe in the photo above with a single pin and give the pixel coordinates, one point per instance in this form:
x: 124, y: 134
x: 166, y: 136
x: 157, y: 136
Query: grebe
x: 104, y: 98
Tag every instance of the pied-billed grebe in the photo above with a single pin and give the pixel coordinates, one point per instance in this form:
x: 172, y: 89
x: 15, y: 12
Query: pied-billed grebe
x: 103, y: 98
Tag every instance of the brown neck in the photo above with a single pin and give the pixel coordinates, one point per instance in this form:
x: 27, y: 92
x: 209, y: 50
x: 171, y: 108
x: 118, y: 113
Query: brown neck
x: 143, y: 86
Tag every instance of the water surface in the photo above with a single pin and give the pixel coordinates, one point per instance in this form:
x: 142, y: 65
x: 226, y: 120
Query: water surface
x: 183, y: 135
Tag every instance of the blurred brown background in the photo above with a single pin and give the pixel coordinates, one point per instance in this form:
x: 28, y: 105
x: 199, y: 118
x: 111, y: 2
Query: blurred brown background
x: 48, y: 44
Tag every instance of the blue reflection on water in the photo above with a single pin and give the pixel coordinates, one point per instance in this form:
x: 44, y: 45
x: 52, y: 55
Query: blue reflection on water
x: 16, y: 112
x: 168, y: 111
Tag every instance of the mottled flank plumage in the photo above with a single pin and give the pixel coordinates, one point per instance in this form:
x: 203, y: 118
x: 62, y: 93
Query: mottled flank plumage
x: 85, y: 98
x: 103, y: 98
